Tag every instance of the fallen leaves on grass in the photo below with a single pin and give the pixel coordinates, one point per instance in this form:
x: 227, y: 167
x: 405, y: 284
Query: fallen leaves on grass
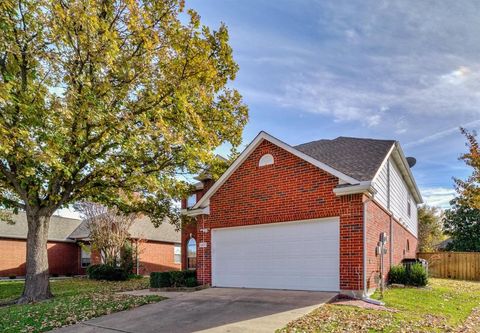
x: 448, y: 306
x: 333, y: 318
x: 75, y: 300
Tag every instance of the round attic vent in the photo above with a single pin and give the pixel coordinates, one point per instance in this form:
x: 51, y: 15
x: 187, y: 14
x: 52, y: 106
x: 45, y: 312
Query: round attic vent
x: 266, y: 159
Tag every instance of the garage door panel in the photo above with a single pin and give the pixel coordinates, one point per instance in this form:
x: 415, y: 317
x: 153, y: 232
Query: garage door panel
x: 292, y: 255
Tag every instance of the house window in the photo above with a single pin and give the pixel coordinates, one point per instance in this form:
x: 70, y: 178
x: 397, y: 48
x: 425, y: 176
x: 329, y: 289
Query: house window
x: 266, y: 159
x: 191, y: 254
x: 191, y: 200
x: 408, y: 246
x: 177, y: 254
x: 85, y: 256
x: 409, y: 208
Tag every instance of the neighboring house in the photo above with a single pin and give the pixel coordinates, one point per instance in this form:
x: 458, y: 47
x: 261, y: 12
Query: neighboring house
x: 443, y: 245
x: 159, y: 251
x: 307, y: 217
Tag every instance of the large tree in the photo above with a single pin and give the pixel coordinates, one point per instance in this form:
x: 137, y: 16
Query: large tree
x: 462, y: 224
x: 101, y: 97
x: 430, y: 231
x: 469, y: 189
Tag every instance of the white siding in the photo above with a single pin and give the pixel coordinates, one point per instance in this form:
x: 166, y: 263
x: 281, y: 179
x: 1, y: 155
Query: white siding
x: 399, y: 193
x: 399, y: 198
x: 381, y: 186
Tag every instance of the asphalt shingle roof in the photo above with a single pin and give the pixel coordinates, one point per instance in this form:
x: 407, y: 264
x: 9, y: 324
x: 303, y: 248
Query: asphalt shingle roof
x: 59, y: 230
x: 142, y: 228
x: 356, y: 157
x: 67, y: 229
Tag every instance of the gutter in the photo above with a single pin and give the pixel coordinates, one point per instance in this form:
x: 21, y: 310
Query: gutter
x: 196, y: 212
x: 362, y: 187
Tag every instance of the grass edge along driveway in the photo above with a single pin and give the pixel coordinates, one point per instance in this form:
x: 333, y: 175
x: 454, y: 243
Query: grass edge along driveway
x: 444, y: 306
x: 75, y: 300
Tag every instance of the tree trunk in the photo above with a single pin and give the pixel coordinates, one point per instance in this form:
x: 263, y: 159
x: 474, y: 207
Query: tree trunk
x: 37, y: 285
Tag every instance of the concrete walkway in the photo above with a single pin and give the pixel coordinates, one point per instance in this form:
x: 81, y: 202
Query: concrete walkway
x: 211, y: 310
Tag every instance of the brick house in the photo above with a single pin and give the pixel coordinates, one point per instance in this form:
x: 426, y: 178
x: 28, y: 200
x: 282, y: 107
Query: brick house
x: 159, y: 251
x: 308, y: 217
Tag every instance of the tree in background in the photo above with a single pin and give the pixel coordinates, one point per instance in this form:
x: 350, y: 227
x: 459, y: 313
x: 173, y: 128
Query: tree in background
x: 462, y: 223
x: 462, y: 220
x: 469, y: 190
x: 109, y: 230
x: 101, y: 97
x: 430, y: 231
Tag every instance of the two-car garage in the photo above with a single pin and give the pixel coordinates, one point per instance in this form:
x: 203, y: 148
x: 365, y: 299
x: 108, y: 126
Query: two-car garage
x: 300, y: 255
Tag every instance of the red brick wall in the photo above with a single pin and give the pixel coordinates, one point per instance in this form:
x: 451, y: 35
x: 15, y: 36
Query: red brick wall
x: 290, y: 189
x: 157, y: 257
x: 63, y: 258
x: 378, y: 221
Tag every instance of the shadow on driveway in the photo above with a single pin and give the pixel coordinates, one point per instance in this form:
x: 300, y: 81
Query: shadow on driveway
x: 212, y: 310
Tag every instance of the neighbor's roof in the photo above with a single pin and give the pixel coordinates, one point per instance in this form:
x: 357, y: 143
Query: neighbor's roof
x: 59, y: 230
x: 142, y: 228
x: 356, y: 157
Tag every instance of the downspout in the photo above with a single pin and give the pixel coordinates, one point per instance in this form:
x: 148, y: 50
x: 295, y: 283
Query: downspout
x: 204, y: 249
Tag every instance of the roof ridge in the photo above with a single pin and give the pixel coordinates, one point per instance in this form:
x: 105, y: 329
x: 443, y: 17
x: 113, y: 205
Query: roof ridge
x: 356, y: 138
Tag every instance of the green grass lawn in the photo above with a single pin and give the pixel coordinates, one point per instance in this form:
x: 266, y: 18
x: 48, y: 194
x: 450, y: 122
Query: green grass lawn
x: 444, y: 306
x: 75, y: 300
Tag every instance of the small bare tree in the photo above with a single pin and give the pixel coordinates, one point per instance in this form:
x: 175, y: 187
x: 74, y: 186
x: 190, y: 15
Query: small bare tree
x: 109, y: 229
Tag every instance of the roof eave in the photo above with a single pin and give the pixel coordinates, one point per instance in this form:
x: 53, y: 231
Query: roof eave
x: 362, y: 187
x: 410, y: 179
x: 202, y: 203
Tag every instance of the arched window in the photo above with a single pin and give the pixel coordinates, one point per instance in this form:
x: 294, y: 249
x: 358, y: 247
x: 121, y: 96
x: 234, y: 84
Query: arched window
x: 191, y: 253
x: 266, y: 159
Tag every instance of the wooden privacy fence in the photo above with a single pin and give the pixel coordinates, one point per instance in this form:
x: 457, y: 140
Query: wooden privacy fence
x: 453, y: 265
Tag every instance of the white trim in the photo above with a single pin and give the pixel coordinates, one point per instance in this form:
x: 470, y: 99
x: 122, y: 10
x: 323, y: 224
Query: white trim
x: 410, y: 180
x: 358, y: 188
x: 259, y: 225
x: 196, y: 212
x: 385, y: 160
x: 251, y: 147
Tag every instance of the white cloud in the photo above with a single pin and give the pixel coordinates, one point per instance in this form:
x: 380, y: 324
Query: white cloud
x: 438, y: 196
x: 441, y: 134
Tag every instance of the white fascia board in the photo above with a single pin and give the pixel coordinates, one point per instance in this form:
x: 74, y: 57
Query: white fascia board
x: 385, y: 161
x: 196, y: 212
x: 251, y: 147
x: 403, y: 165
x: 362, y: 187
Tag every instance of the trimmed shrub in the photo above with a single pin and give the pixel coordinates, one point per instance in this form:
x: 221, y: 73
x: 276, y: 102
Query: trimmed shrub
x: 397, y: 274
x: 177, y: 279
x: 412, y: 274
x: 416, y: 275
x: 160, y: 280
x: 191, y: 282
x: 106, y: 272
x: 173, y: 279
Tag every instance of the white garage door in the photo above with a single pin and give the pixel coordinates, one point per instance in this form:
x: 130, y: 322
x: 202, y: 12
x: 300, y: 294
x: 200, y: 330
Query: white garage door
x: 302, y: 255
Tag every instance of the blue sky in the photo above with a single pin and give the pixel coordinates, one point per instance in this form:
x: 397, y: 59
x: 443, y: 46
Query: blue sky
x: 404, y: 70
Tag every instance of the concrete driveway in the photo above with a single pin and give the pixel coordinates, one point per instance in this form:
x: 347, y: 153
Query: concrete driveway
x: 211, y: 310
